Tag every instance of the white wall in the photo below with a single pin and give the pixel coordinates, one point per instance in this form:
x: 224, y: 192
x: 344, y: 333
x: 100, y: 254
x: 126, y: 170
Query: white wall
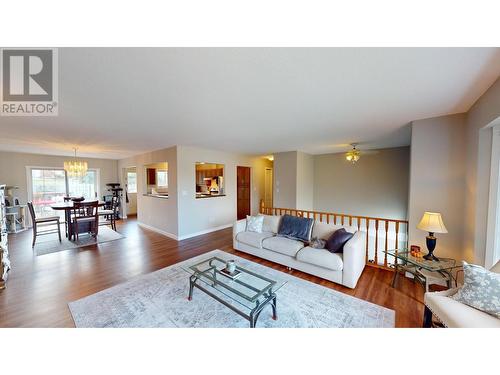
x: 478, y: 166
x: 198, y: 216
x: 154, y: 212
x: 13, y: 169
x: 437, y: 181
x: 376, y: 186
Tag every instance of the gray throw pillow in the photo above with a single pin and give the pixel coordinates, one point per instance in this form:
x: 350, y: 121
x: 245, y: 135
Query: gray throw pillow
x: 481, y: 289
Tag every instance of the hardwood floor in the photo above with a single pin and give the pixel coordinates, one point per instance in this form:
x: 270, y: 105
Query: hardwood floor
x: 40, y: 287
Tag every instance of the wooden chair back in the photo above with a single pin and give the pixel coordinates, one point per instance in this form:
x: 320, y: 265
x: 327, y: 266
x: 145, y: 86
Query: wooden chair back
x: 86, y: 209
x: 32, y: 212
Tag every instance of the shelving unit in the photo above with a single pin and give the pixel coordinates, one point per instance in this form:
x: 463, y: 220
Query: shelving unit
x: 4, y: 249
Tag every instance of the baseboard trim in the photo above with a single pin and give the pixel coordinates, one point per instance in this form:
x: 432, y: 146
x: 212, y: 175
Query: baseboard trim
x: 210, y: 230
x: 154, y: 229
x: 177, y: 238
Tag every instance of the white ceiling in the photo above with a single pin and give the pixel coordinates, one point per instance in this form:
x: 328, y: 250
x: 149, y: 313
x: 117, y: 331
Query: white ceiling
x: 116, y: 102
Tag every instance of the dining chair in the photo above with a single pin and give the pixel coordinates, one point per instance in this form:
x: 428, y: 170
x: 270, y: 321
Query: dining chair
x: 42, y: 222
x: 85, y: 216
x: 110, y: 214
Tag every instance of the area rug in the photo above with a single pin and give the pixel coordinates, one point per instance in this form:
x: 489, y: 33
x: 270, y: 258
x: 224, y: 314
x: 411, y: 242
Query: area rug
x: 159, y: 299
x: 50, y: 243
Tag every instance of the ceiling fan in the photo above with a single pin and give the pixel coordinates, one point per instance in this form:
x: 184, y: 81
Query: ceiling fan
x: 354, y: 154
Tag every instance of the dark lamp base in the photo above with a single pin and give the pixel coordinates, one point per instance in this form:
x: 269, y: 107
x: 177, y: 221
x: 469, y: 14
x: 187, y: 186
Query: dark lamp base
x: 431, y: 245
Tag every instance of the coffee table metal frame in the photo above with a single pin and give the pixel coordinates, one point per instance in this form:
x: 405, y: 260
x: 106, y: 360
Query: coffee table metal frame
x: 262, y: 297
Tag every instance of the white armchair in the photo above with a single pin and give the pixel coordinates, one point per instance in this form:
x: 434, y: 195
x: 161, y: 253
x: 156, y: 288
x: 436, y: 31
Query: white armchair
x: 454, y: 314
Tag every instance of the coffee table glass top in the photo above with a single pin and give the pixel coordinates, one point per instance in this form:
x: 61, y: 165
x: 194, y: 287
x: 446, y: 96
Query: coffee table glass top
x: 430, y: 265
x: 248, y: 289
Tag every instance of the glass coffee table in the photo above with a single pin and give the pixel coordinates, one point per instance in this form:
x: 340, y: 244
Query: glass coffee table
x: 404, y: 261
x: 247, y: 295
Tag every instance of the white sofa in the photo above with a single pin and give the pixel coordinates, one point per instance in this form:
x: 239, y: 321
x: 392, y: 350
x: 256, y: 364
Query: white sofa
x: 342, y: 268
x: 454, y: 314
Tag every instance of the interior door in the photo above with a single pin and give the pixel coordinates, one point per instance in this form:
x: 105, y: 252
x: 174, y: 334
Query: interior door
x: 243, y: 191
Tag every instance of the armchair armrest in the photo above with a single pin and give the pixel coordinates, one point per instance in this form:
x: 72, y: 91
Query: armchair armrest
x: 354, y: 259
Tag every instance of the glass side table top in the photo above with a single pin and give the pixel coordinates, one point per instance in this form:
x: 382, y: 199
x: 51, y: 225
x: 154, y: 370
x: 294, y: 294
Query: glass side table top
x: 430, y: 265
x: 247, y: 290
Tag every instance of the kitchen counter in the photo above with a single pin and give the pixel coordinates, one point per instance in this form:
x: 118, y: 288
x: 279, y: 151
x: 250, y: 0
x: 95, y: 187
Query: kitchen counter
x: 202, y: 196
x: 161, y: 196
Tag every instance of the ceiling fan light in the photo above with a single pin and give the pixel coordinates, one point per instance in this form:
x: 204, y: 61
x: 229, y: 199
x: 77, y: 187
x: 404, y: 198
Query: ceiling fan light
x: 353, y: 155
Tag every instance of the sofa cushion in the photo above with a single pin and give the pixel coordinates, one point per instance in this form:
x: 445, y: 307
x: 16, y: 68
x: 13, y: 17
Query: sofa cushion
x: 321, y: 257
x: 271, y: 223
x: 337, y: 240
x: 282, y: 245
x: 299, y: 228
x: 253, y: 238
x: 324, y: 231
x: 454, y: 314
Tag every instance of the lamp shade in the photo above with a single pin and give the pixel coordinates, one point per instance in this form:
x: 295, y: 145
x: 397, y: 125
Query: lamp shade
x: 432, y: 222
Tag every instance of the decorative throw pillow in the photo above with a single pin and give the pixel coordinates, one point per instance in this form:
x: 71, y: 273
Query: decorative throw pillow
x: 481, y: 289
x: 299, y: 228
x: 254, y: 223
x: 336, y: 242
x: 317, y: 243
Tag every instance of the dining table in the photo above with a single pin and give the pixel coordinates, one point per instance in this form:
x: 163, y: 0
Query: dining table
x: 67, y: 207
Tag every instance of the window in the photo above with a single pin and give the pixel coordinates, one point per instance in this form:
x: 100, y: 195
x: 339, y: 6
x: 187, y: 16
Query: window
x: 85, y: 186
x: 162, y: 178
x: 50, y: 185
x: 132, y: 182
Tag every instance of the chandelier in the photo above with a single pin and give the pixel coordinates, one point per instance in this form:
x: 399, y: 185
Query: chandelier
x: 353, y: 155
x: 76, y: 168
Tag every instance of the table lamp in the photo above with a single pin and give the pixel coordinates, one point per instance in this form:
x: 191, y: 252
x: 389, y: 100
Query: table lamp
x: 433, y: 223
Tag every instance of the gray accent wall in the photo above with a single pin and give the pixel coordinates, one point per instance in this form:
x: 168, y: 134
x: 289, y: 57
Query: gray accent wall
x: 376, y: 186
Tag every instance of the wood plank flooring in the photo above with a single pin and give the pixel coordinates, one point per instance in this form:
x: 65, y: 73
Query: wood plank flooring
x: 40, y: 287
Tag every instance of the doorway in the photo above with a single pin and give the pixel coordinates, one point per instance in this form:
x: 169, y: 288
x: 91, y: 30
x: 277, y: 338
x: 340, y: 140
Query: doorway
x: 130, y: 178
x: 243, y: 191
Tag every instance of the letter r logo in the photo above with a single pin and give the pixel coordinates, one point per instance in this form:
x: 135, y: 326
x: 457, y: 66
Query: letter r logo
x: 27, y: 75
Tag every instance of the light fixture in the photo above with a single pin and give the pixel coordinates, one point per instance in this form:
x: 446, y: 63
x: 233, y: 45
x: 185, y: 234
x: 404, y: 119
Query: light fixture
x: 76, y: 168
x: 353, y: 155
x: 432, y: 222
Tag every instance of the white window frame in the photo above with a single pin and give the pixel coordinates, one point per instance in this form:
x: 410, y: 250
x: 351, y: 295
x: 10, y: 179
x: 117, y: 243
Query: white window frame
x: 492, y: 254
x: 157, y: 179
x: 30, y: 182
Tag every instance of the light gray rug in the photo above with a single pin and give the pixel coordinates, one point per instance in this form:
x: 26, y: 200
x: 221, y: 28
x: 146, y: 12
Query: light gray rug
x: 159, y: 299
x: 50, y: 243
